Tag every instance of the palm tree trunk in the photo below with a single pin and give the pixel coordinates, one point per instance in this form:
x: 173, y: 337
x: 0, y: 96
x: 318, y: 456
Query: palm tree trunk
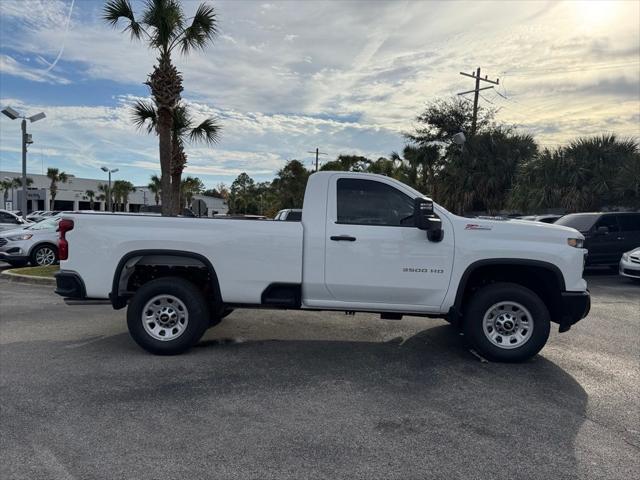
x: 176, y: 178
x: 165, y: 122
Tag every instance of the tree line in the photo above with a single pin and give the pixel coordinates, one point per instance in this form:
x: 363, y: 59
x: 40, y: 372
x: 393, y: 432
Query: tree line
x: 499, y: 169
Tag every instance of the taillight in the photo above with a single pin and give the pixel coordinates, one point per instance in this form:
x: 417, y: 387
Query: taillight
x: 65, y: 225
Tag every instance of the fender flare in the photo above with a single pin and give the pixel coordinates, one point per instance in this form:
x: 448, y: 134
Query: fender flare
x: 118, y: 301
x: 462, y: 285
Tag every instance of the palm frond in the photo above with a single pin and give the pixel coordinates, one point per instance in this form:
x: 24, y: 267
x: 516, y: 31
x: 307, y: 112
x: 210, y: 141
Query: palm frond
x: 208, y: 132
x: 181, y: 120
x: 203, y: 29
x: 144, y: 115
x: 167, y: 19
x: 114, y: 10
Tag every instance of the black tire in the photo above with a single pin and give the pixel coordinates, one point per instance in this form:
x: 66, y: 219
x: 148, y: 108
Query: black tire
x: 195, y: 305
x: 487, y: 297
x: 35, y: 254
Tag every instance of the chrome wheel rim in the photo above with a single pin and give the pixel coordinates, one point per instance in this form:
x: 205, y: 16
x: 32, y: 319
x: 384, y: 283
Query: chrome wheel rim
x: 507, y: 325
x: 165, y: 317
x: 45, y: 256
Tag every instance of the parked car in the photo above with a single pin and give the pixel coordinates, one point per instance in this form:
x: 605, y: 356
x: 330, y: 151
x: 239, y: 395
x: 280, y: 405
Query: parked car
x: 289, y: 215
x: 11, y: 221
x: 607, y: 235
x: 630, y: 264
x: 35, y: 244
x: 37, y: 215
x: 550, y: 218
x: 369, y: 243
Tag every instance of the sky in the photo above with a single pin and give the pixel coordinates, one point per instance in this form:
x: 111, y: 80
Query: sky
x: 283, y: 78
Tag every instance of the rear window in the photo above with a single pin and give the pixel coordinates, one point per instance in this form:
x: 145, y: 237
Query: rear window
x: 580, y: 222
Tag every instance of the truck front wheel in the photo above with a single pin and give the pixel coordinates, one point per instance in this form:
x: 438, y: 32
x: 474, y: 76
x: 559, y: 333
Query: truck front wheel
x: 506, y: 322
x: 167, y: 316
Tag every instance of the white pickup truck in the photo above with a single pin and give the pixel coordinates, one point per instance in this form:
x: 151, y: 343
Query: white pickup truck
x: 366, y: 243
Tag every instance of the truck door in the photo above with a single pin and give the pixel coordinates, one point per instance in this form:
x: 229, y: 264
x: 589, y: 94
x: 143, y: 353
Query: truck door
x: 375, y: 255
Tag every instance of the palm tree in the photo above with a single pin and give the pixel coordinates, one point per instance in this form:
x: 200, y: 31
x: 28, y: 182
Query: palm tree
x: 418, y: 166
x: 90, y: 195
x: 190, y: 187
x: 121, y: 190
x: 155, y: 187
x: 55, y: 176
x: 5, y: 186
x: 105, y: 195
x: 587, y: 174
x: 164, y: 27
x: 481, y: 176
x: 184, y: 131
x: 17, y: 182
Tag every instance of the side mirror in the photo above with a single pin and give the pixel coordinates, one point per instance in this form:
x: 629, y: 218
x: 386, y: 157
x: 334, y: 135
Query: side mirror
x: 425, y: 219
x: 422, y: 213
x: 602, y: 230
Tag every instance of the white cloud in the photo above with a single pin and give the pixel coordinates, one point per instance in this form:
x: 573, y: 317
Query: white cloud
x: 9, y: 66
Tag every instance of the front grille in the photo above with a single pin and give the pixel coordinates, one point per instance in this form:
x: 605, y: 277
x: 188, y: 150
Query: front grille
x: 3, y: 241
x: 633, y: 259
x: 633, y: 273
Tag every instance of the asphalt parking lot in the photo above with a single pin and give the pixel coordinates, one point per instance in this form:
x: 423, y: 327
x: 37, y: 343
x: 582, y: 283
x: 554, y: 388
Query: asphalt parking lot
x: 275, y: 395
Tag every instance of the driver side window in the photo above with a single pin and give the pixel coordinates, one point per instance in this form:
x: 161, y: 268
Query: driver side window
x: 368, y: 202
x: 609, y: 221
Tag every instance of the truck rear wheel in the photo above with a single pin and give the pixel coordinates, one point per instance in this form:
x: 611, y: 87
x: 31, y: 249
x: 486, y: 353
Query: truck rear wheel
x: 167, y: 316
x: 506, y: 322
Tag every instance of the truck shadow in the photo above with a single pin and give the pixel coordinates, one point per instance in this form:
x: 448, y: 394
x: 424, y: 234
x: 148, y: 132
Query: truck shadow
x: 400, y: 409
x: 427, y: 391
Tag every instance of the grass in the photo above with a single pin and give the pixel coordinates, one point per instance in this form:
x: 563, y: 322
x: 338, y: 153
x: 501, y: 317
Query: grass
x: 47, y: 271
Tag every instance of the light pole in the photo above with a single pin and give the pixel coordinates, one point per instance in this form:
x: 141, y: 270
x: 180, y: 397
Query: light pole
x: 105, y: 169
x: 26, y: 140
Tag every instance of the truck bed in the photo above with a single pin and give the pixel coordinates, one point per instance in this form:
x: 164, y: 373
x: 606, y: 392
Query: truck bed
x: 247, y: 255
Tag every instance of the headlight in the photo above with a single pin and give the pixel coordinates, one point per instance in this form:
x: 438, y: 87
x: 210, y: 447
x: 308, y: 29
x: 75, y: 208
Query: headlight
x: 17, y: 238
x: 575, y: 242
x: 625, y: 257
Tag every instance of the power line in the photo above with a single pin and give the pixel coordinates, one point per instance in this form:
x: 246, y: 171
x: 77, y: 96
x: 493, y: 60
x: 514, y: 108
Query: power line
x: 476, y: 92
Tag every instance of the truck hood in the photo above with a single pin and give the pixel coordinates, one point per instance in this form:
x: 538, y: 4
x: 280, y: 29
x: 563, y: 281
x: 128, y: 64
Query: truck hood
x: 517, y: 228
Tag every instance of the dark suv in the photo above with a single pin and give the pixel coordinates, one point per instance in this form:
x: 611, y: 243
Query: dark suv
x: 607, y: 235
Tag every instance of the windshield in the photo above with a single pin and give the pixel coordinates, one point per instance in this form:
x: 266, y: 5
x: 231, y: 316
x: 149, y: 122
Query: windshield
x: 47, y: 224
x: 581, y: 222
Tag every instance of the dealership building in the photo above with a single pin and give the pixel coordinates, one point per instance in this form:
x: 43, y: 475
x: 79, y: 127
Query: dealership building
x: 72, y: 195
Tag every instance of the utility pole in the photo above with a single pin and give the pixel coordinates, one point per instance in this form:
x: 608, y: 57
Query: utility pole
x: 476, y: 92
x: 317, y: 152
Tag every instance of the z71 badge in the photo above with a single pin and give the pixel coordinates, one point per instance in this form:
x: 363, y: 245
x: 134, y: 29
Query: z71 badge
x: 475, y: 226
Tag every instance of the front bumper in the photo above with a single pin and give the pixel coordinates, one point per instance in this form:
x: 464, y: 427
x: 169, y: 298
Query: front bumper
x: 575, y: 306
x: 629, y: 268
x: 13, y: 255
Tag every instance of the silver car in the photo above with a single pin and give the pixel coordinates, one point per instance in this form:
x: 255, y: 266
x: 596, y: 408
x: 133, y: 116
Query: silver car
x: 630, y: 264
x: 11, y: 221
x: 35, y: 244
